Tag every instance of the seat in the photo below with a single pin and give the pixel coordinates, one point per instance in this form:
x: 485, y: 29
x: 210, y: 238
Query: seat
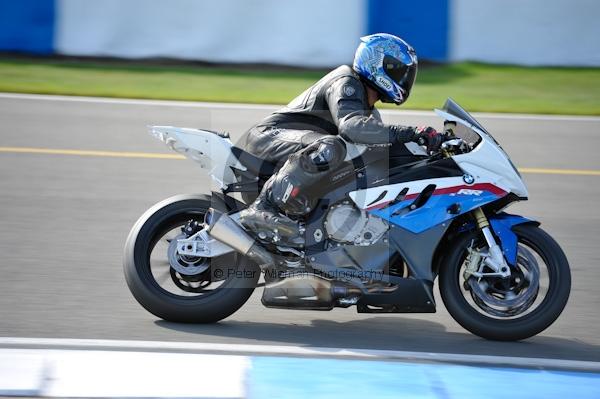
x: 255, y: 165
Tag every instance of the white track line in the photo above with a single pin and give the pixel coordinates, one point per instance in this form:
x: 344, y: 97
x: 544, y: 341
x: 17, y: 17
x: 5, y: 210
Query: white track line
x: 270, y: 108
x: 294, y: 351
x: 120, y: 374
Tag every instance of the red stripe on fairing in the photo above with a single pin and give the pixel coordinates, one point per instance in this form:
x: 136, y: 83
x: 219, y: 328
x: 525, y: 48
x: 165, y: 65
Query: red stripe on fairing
x: 450, y: 190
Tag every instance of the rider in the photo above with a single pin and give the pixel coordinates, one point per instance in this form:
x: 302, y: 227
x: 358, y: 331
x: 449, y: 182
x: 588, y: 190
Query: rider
x: 310, y: 132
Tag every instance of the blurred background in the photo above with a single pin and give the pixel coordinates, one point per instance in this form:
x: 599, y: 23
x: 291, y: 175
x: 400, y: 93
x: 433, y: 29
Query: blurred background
x: 76, y: 173
x: 268, y: 51
x: 308, y: 33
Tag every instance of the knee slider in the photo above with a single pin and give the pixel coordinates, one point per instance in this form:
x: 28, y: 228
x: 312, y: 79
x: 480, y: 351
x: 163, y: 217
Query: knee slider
x: 324, y: 154
x: 292, y: 188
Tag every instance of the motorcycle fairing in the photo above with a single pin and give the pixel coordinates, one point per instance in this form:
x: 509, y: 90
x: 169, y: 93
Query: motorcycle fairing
x: 424, y: 204
x: 418, y: 205
x: 487, y: 161
x: 415, y: 293
x: 502, y: 225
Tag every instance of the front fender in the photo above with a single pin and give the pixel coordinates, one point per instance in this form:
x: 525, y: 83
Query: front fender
x: 502, y: 224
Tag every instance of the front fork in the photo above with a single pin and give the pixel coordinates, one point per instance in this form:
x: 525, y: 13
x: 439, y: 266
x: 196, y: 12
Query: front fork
x: 494, y: 258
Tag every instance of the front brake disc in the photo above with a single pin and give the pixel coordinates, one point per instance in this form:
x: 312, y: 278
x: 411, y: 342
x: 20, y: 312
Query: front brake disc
x: 514, y: 300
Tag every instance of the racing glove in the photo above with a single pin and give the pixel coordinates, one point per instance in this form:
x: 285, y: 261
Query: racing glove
x: 401, y: 134
x: 428, y: 136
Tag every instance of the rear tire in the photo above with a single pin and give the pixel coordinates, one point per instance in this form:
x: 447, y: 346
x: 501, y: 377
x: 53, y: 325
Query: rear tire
x: 512, y: 329
x: 208, y: 308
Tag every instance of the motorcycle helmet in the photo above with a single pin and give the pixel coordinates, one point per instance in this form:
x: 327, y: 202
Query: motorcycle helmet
x: 388, y: 64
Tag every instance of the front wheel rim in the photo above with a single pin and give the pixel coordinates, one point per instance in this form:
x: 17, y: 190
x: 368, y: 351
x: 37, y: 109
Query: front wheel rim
x: 518, y: 300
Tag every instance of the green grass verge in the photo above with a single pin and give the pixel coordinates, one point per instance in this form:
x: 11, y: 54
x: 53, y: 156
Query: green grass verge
x: 478, y: 87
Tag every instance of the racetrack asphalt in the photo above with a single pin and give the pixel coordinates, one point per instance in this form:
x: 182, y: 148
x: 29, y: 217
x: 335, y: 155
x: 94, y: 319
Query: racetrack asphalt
x: 64, y: 220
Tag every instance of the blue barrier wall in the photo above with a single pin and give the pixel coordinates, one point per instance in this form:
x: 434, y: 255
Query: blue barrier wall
x: 27, y: 26
x: 423, y: 24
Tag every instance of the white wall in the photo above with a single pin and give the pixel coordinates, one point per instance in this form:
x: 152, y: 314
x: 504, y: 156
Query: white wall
x: 306, y: 32
x: 528, y: 32
x: 320, y: 33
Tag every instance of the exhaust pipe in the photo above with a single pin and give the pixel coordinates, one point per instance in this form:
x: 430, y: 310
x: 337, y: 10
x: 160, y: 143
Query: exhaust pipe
x: 309, y: 292
x: 226, y: 230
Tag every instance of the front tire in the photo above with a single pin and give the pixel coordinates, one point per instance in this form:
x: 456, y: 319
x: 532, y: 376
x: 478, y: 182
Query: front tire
x: 514, y: 328
x: 236, y: 286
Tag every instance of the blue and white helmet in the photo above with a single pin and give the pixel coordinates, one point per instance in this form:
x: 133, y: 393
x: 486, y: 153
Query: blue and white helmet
x: 388, y: 64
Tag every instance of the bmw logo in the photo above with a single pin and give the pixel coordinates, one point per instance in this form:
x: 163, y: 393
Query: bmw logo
x: 469, y: 179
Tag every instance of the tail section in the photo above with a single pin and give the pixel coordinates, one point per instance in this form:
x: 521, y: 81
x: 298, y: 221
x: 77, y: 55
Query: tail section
x: 211, y: 150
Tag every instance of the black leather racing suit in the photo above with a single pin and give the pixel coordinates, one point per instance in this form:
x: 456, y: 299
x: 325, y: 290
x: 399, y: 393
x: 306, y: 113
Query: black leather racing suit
x: 306, y: 133
x: 335, y: 105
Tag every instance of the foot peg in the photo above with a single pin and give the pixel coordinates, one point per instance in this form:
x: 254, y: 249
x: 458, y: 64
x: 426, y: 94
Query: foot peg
x: 308, y: 292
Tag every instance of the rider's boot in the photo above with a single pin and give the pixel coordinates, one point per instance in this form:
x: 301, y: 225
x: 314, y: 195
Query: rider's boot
x: 265, y: 220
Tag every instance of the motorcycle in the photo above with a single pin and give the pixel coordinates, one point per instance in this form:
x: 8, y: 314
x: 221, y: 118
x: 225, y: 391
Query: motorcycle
x: 385, y: 229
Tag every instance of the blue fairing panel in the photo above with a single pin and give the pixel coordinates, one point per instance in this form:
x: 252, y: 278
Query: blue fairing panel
x: 438, y: 209
x: 502, y: 224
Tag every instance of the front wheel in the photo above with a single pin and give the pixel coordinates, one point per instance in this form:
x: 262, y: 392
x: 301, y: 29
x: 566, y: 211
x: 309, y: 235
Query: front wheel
x: 510, y: 309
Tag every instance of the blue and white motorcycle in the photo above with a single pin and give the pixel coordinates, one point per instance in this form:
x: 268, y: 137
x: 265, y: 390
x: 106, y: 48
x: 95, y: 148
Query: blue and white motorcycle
x: 387, y: 227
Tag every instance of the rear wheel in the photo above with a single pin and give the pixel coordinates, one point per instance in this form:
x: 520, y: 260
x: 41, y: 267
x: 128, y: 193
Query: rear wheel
x: 513, y: 308
x: 179, y: 288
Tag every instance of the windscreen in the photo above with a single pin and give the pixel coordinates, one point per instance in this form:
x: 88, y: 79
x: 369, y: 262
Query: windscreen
x: 453, y: 108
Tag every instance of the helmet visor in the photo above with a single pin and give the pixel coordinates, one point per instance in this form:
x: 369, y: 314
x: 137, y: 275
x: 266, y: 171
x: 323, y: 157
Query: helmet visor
x: 404, y: 75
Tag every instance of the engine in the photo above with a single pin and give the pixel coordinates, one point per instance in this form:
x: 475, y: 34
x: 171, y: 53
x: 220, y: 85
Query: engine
x: 347, y: 224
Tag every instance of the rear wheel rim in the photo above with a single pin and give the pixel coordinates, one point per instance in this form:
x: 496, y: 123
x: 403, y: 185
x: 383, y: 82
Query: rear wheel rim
x: 172, y: 283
